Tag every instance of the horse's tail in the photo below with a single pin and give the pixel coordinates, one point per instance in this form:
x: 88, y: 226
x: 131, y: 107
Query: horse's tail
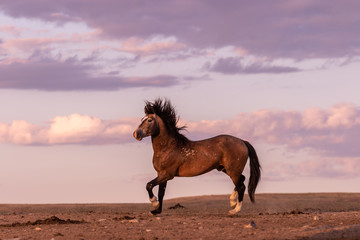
x: 255, y: 173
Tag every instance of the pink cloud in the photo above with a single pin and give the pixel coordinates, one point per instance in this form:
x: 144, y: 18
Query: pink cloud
x: 140, y: 46
x: 328, y: 136
x: 295, y: 29
x: 23, y: 45
x: 29, y: 44
x: 12, y: 30
x: 319, y: 167
x: 72, y: 129
x: 18, y: 132
x: 341, y: 115
x: 332, y: 131
x: 329, y: 132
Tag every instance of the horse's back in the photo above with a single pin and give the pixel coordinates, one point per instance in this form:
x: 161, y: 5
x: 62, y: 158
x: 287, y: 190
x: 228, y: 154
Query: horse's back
x: 221, y: 138
x: 228, y: 145
x: 226, y: 141
x: 233, y: 145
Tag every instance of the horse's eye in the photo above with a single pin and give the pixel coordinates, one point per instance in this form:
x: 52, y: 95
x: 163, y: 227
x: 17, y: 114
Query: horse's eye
x: 149, y: 120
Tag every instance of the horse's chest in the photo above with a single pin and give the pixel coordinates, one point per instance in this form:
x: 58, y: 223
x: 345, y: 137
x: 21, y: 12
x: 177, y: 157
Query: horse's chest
x: 164, y: 160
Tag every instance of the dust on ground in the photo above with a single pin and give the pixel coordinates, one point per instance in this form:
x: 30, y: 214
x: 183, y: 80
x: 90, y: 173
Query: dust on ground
x: 273, y: 216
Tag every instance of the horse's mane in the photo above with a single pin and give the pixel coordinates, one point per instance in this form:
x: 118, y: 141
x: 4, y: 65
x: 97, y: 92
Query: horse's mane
x: 167, y: 113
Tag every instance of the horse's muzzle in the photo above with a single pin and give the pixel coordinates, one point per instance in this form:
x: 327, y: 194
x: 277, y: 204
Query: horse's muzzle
x: 137, y: 135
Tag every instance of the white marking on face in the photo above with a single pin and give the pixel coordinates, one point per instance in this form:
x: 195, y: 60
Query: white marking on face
x: 144, y: 118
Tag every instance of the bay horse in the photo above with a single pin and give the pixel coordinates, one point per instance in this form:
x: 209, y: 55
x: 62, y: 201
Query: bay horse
x: 177, y: 156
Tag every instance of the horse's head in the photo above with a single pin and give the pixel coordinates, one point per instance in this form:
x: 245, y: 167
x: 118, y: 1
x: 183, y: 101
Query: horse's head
x: 149, y: 127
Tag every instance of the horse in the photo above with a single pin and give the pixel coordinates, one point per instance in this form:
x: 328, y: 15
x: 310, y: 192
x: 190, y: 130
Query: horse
x: 177, y: 156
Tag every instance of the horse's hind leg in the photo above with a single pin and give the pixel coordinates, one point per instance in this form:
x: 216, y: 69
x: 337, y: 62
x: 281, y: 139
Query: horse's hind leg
x: 233, y: 198
x: 237, y: 196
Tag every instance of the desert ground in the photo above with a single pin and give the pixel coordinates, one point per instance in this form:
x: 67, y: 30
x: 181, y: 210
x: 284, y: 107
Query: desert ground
x: 273, y: 216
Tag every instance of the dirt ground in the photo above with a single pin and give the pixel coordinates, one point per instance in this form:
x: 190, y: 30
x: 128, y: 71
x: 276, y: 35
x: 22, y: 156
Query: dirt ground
x: 274, y: 216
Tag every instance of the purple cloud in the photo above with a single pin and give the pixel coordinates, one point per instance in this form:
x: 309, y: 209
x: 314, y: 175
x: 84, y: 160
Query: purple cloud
x: 53, y: 75
x: 293, y: 29
x: 330, y: 135
x: 319, y: 167
x: 233, y: 65
x: 329, y: 132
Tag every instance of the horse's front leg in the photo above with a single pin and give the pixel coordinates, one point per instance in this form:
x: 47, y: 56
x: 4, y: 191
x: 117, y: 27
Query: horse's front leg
x: 149, y: 187
x: 158, y: 209
x: 157, y: 204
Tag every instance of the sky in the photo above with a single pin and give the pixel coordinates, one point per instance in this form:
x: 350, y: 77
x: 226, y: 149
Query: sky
x: 74, y: 76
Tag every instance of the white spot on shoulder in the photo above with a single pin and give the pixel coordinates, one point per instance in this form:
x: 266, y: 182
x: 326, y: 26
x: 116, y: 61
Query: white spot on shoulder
x: 188, y: 152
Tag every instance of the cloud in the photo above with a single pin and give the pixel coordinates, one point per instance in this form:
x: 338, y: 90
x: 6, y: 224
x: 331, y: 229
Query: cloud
x: 67, y: 75
x: 326, y: 132
x: 25, y: 44
x: 19, y: 132
x: 278, y: 29
x: 12, y: 30
x: 331, y: 167
x: 141, y: 46
x: 93, y: 46
x: 37, y: 39
x: 77, y: 61
x: 72, y: 129
x: 329, y: 137
x: 320, y: 167
x: 232, y: 65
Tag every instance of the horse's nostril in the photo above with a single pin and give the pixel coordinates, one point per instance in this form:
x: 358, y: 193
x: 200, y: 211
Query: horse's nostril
x: 137, y: 135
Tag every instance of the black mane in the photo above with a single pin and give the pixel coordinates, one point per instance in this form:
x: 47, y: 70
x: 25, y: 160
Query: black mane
x: 167, y: 113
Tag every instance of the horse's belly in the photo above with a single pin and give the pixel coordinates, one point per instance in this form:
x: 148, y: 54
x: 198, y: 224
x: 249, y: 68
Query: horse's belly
x: 196, y: 167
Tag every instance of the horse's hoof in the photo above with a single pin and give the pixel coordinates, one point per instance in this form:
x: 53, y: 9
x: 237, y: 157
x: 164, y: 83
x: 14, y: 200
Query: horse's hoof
x: 233, y: 212
x: 154, y: 212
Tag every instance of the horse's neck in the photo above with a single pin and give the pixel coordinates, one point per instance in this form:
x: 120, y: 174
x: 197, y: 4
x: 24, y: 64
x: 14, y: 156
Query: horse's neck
x: 162, y: 143
x: 163, y: 140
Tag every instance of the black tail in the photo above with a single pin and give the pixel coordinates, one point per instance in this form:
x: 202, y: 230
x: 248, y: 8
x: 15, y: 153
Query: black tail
x: 255, y: 173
